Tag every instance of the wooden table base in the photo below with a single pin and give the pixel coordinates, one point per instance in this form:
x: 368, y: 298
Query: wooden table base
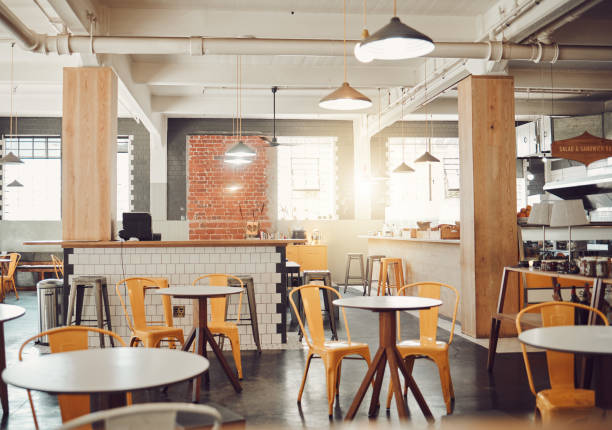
x: 3, y: 388
x: 388, y: 353
x: 204, y: 336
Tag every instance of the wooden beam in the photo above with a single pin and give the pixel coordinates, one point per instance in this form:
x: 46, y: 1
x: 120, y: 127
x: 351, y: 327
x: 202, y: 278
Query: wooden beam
x: 89, y: 153
x: 487, y: 147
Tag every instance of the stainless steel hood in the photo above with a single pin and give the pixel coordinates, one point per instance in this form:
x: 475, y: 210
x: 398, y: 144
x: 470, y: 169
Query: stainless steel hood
x: 595, y: 191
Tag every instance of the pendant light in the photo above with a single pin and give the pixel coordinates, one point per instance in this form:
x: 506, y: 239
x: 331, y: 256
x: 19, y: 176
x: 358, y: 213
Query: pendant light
x: 15, y: 183
x: 361, y: 54
x: 240, y: 153
x: 403, y: 168
x: 345, y: 97
x: 396, y: 41
x: 427, y: 157
x: 10, y: 158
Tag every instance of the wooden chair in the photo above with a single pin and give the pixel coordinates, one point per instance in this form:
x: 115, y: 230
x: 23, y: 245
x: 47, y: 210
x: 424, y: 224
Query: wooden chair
x: 383, y: 278
x: 149, y: 335
x: 218, y: 310
x: 58, y: 267
x: 562, y: 399
x: 331, y: 352
x: 9, y: 278
x: 62, y: 339
x: 427, y: 345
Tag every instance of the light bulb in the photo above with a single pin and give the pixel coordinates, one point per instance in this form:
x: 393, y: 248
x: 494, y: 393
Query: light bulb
x: 362, y: 55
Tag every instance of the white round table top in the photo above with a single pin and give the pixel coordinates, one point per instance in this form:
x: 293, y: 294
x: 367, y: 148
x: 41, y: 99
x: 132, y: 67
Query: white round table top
x: 388, y: 303
x: 105, y: 370
x: 196, y: 292
x: 10, y: 312
x: 580, y: 339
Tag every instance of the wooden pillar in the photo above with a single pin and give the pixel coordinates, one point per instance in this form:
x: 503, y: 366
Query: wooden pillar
x: 89, y: 153
x: 487, y: 147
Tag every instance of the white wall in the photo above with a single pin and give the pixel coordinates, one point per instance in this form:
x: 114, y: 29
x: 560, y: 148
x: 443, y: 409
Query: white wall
x: 14, y: 233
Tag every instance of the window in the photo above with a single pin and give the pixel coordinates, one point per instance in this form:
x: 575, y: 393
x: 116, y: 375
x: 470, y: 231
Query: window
x: 440, y: 196
x: 306, y: 178
x: 40, y: 174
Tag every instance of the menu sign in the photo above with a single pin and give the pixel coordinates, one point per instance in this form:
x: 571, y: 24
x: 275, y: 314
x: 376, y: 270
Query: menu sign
x: 585, y: 148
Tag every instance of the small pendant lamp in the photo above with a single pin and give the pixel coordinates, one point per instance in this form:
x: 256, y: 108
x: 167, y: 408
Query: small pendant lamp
x: 240, y: 153
x: 345, y: 97
x: 403, y: 168
x: 15, y: 183
x: 10, y: 158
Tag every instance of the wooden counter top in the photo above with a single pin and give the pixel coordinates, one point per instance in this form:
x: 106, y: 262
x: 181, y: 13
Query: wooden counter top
x: 447, y: 241
x: 164, y: 244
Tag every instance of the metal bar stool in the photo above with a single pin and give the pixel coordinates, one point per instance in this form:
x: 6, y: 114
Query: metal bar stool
x: 250, y: 289
x: 348, y: 278
x: 293, y: 280
x: 332, y: 312
x: 396, y: 264
x: 77, y: 292
x: 370, y: 270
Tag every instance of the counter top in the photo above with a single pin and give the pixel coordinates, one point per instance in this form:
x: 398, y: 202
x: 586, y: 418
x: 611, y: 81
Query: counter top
x: 164, y: 243
x: 447, y: 241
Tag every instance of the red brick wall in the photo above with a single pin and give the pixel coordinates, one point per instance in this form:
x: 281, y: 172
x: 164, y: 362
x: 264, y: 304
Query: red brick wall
x: 212, y: 210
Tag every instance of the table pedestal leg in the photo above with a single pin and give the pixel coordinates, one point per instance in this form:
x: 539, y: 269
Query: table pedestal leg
x: 3, y: 389
x: 204, y: 336
x: 388, y: 352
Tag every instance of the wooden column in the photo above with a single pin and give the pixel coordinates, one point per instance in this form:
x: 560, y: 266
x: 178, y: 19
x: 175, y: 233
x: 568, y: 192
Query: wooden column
x: 89, y: 153
x: 487, y: 146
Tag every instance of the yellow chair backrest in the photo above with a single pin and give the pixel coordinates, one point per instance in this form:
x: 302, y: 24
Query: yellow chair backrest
x: 15, y: 257
x: 136, y: 293
x: 311, y: 302
x: 58, y: 266
x: 218, y: 305
x: 428, y: 318
x: 560, y: 364
x: 63, y: 339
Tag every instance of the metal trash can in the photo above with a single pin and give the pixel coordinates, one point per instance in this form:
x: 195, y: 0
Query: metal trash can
x: 49, y: 293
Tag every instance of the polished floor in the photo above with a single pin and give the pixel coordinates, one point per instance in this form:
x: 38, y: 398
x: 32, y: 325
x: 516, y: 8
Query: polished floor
x: 271, y: 382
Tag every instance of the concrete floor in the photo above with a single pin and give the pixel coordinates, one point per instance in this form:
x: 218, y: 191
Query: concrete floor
x: 271, y: 382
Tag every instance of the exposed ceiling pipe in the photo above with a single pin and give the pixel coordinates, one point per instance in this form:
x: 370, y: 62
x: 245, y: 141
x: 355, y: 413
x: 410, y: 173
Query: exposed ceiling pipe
x: 66, y: 44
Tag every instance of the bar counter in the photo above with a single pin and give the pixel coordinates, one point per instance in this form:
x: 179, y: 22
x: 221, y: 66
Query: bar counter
x: 424, y: 260
x: 181, y: 262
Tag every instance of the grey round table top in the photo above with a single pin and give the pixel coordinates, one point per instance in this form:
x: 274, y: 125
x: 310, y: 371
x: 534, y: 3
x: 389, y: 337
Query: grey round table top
x: 196, y: 292
x: 10, y: 312
x: 388, y: 303
x: 105, y: 370
x: 580, y: 339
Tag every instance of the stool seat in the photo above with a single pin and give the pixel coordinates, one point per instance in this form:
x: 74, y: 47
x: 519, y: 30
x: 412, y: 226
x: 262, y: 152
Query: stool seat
x: 250, y: 289
x: 75, y: 302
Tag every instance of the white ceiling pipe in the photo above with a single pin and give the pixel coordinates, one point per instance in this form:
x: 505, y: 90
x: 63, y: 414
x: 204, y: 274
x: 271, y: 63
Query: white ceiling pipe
x: 544, y: 35
x: 26, y: 38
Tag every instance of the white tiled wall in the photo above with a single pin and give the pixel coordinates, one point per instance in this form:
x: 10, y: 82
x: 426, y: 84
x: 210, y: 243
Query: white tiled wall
x: 181, y: 266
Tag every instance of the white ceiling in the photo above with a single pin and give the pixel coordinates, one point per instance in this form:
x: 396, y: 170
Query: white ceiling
x: 177, y: 85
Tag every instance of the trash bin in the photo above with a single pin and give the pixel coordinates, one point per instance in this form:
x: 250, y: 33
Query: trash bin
x: 49, y: 292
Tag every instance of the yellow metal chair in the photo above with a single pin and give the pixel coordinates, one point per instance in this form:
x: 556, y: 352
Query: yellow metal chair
x: 562, y: 400
x: 58, y: 267
x: 427, y: 345
x: 62, y: 339
x: 218, y: 306
x: 9, y: 278
x: 149, y: 335
x: 331, y: 352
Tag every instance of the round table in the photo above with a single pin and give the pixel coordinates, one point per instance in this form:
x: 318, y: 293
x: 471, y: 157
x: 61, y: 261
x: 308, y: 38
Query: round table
x: 7, y: 313
x: 112, y: 371
x: 200, y: 295
x: 592, y: 340
x: 387, y: 306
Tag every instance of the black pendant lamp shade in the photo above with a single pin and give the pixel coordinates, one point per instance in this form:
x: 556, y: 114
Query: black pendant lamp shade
x: 396, y: 41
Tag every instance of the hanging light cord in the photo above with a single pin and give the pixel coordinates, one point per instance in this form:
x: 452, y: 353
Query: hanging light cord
x: 365, y: 7
x: 344, y: 13
x: 394, y: 7
x: 11, y: 91
x: 403, y: 131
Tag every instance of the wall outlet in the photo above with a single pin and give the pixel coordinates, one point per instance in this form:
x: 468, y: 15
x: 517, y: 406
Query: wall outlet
x: 178, y: 311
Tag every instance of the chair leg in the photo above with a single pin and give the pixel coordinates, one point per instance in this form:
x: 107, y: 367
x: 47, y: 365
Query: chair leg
x: 308, y: 360
x: 14, y: 288
x: 330, y: 372
x: 363, y: 276
x: 71, y: 304
x: 338, y: 376
x: 348, y: 271
x: 235, y: 343
x: 445, y: 382
x: 107, y: 312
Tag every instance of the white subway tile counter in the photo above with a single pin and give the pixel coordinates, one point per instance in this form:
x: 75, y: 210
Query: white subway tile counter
x: 181, y: 265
